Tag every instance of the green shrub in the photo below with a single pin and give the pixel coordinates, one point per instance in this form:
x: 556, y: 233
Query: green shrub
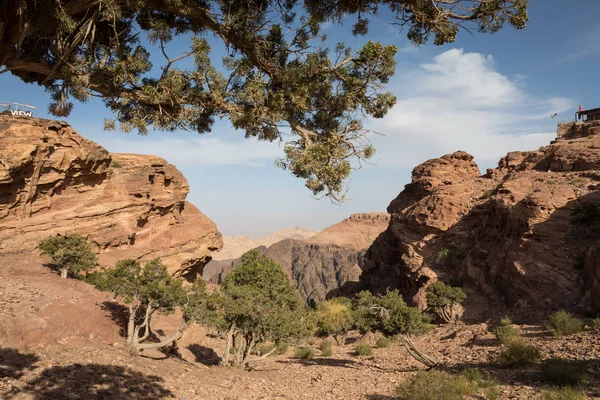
x: 116, y: 164
x: 566, y: 393
x: 263, y: 348
x: 304, y: 353
x: 383, y: 342
x: 564, y: 372
x: 71, y: 253
x: 282, y: 348
x: 436, y: 385
x: 506, y: 321
x: 334, y: 318
x: 506, y: 334
x: 363, y: 349
x: 596, y: 323
x: 564, y: 323
x: 388, y: 314
x: 519, y: 354
x: 445, y: 301
x: 585, y: 214
x: 326, y: 348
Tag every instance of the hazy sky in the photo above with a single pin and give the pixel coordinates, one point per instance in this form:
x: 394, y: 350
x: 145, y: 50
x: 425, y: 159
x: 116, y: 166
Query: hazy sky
x: 484, y: 94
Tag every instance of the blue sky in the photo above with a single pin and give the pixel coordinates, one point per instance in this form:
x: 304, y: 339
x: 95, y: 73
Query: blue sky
x: 485, y: 94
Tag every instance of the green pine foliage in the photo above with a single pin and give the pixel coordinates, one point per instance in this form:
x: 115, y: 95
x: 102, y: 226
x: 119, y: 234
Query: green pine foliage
x: 71, y: 254
x: 281, y: 75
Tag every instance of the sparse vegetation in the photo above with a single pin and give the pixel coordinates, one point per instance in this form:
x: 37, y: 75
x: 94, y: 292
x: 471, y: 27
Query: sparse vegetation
x: 585, y: 214
x: 334, y: 318
x: 439, y: 385
x: 566, y: 393
x: 519, y: 354
x: 506, y: 321
x: 383, y: 342
x: 564, y: 323
x: 263, y: 348
x: 116, y: 164
x: 506, y: 334
x: 71, y: 254
x: 363, y: 349
x: 564, y: 372
x: 282, y: 348
x: 326, y: 348
x: 596, y: 324
x: 304, y: 353
x: 445, y: 301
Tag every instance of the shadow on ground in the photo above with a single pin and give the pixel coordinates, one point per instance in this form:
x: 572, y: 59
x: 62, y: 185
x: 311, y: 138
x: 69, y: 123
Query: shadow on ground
x: 14, y: 364
x: 328, y: 362
x: 95, y: 381
x: 204, y: 355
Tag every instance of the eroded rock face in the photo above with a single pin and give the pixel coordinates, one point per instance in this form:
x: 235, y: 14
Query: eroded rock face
x: 315, y: 268
x: 506, y: 235
x: 52, y: 180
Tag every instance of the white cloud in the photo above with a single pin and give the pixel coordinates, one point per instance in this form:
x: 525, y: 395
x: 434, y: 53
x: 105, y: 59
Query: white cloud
x: 196, y: 151
x: 460, y: 101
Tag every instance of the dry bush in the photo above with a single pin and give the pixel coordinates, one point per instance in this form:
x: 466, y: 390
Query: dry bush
x: 564, y: 323
x: 564, y: 372
x: 383, y: 342
x: 363, y: 349
x: 566, y: 393
x: 439, y: 385
x: 519, y: 354
x: 304, y: 353
x: 506, y: 334
x: 326, y: 348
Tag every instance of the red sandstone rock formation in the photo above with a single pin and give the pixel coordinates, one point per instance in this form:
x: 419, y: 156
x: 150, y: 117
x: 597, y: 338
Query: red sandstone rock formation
x: 52, y: 180
x: 506, y: 235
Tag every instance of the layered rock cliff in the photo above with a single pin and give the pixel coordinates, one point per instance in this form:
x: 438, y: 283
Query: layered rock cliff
x: 322, y: 263
x: 509, y: 234
x: 52, y: 180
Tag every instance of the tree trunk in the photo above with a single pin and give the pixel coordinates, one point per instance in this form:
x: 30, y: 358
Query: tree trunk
x: 228, y: 340
x: 249, y: 360
x: 63, y: 273
x: 249, y: 347
x: 131, y: 324
x: 166, y: 342
x: 417, y: 354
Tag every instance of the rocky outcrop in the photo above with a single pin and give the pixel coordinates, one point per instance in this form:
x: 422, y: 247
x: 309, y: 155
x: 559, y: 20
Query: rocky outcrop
x: 52, y: 180
x: 356, y: 232
x: 235, y: 246
x: 506, y: 235
x: 322, y: 263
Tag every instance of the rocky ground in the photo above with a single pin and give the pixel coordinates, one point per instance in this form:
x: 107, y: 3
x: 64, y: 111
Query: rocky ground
x: 58, y: 341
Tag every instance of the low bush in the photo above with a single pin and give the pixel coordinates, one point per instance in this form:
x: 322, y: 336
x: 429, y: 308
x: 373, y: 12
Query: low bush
x: 282, y: 348
x: 263, y: 348
x: 116, y: 164
x: 363, y: 349
x: 383, y: 342
x: 506, y: 321
x: 519, y: 354
x: 304, y: 353
x: 438, y: 385
x: 596, y: 324
x: 564, y: 323
x: 326, y: 348
x: 506, y: 334
x: 445, y: 301
x: 566, y: 393
x: 564, y: 372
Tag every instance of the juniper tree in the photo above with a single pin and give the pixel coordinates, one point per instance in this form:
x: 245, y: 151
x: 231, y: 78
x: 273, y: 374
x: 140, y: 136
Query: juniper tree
x: 149, y: 289
x: 390, y: 315
x: 279, y: 81
x: 258, y: 303
x: 445, y: 301
x: 71, y: 254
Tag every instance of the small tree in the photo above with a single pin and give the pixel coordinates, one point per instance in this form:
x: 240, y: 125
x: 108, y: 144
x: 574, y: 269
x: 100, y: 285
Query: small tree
x: 445, y: 301
x: 70, y: 253
x: 390, y: 315
x: 334, y: 318
x: 258, y: 303
x: 148, y: 289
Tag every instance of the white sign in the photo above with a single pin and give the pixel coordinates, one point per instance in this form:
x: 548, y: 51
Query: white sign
x: 21, y: 112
